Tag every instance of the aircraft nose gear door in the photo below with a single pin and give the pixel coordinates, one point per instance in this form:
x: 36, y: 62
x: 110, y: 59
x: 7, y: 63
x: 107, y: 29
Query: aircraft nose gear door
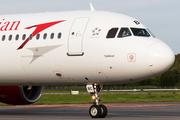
x: 75, y: 42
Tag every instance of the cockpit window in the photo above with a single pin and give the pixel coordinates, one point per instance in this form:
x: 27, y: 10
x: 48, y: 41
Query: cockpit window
x: 124, y: 32
x: 140, y: 32
x: 151, y: 32
x: 112, y: 33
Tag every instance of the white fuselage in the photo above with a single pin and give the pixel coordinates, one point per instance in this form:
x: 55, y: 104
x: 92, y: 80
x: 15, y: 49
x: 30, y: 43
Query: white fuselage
x: 82, y: 55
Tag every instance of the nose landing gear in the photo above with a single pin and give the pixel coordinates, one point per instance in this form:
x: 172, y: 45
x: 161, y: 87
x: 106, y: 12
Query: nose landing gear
x: 96, y: 110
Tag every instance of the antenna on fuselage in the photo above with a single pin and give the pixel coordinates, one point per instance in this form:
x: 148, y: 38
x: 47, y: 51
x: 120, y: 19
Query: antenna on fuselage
x: 92, y: 8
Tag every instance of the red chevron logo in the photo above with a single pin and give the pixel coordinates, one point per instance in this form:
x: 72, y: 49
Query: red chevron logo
x: 39, y: 28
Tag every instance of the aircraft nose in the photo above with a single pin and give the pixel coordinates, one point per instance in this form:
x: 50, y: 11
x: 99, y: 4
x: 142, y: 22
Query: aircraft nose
x: 160, y: 58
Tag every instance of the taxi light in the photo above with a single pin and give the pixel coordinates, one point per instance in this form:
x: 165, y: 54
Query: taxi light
x: 93, y: 97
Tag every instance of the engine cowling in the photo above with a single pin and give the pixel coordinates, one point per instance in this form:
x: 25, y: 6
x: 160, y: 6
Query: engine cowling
x: 23, y: 95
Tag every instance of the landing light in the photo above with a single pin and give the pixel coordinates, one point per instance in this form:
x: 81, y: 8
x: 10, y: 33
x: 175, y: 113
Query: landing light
x: 93, y: 97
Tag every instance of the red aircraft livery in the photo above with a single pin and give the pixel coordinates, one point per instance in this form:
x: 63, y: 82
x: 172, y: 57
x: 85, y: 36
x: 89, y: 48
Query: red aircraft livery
x: 39, y: 28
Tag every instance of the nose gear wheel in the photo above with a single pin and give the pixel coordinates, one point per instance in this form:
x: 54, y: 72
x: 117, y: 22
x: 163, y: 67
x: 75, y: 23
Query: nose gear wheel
x: 96, y: 110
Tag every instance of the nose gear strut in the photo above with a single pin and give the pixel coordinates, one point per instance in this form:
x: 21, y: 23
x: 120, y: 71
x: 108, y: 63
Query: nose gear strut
x: 96, y: 110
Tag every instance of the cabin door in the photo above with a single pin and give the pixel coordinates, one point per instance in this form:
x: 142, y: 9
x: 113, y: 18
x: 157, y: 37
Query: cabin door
x: 75, y: 42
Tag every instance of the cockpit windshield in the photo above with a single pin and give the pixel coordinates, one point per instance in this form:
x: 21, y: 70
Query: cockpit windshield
x: 151, y: 32
x: 140, y: 32
x: 124, y: 32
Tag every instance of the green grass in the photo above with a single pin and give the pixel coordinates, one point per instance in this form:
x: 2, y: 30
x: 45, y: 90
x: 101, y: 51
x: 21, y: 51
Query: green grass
x: 54, y: 99
x: 134, y: 98
x: 108, y: 98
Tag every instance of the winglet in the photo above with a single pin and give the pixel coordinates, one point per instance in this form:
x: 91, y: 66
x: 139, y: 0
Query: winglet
x: 92, y: 8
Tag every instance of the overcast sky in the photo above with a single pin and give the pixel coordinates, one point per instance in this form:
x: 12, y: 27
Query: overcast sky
x: 161, y: 16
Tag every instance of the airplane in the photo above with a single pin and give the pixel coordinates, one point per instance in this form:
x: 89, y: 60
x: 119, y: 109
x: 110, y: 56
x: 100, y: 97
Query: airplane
x: 91, y: 48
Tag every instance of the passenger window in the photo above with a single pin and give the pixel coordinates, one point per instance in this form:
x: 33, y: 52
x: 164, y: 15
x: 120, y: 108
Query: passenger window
x: 10, y: 37
x: 24, y: 37
x: 52, y: 35
x: 140, y: 32
x: 31, y: 36
x: 45, y: 36
x: 17, y: 37
x: 38, y: 36
x: 59, y: 35
x: 124, y: 32
x: 112, y: 33
x: 3, y: 37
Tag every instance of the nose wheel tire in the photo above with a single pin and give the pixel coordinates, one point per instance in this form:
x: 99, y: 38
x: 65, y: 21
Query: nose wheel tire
x: 103, y: 111
x: 98, y: 111
x: 95, y: 111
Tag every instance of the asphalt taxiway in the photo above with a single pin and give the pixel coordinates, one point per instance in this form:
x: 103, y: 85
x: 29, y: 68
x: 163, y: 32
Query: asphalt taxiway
x: 135, y: 111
